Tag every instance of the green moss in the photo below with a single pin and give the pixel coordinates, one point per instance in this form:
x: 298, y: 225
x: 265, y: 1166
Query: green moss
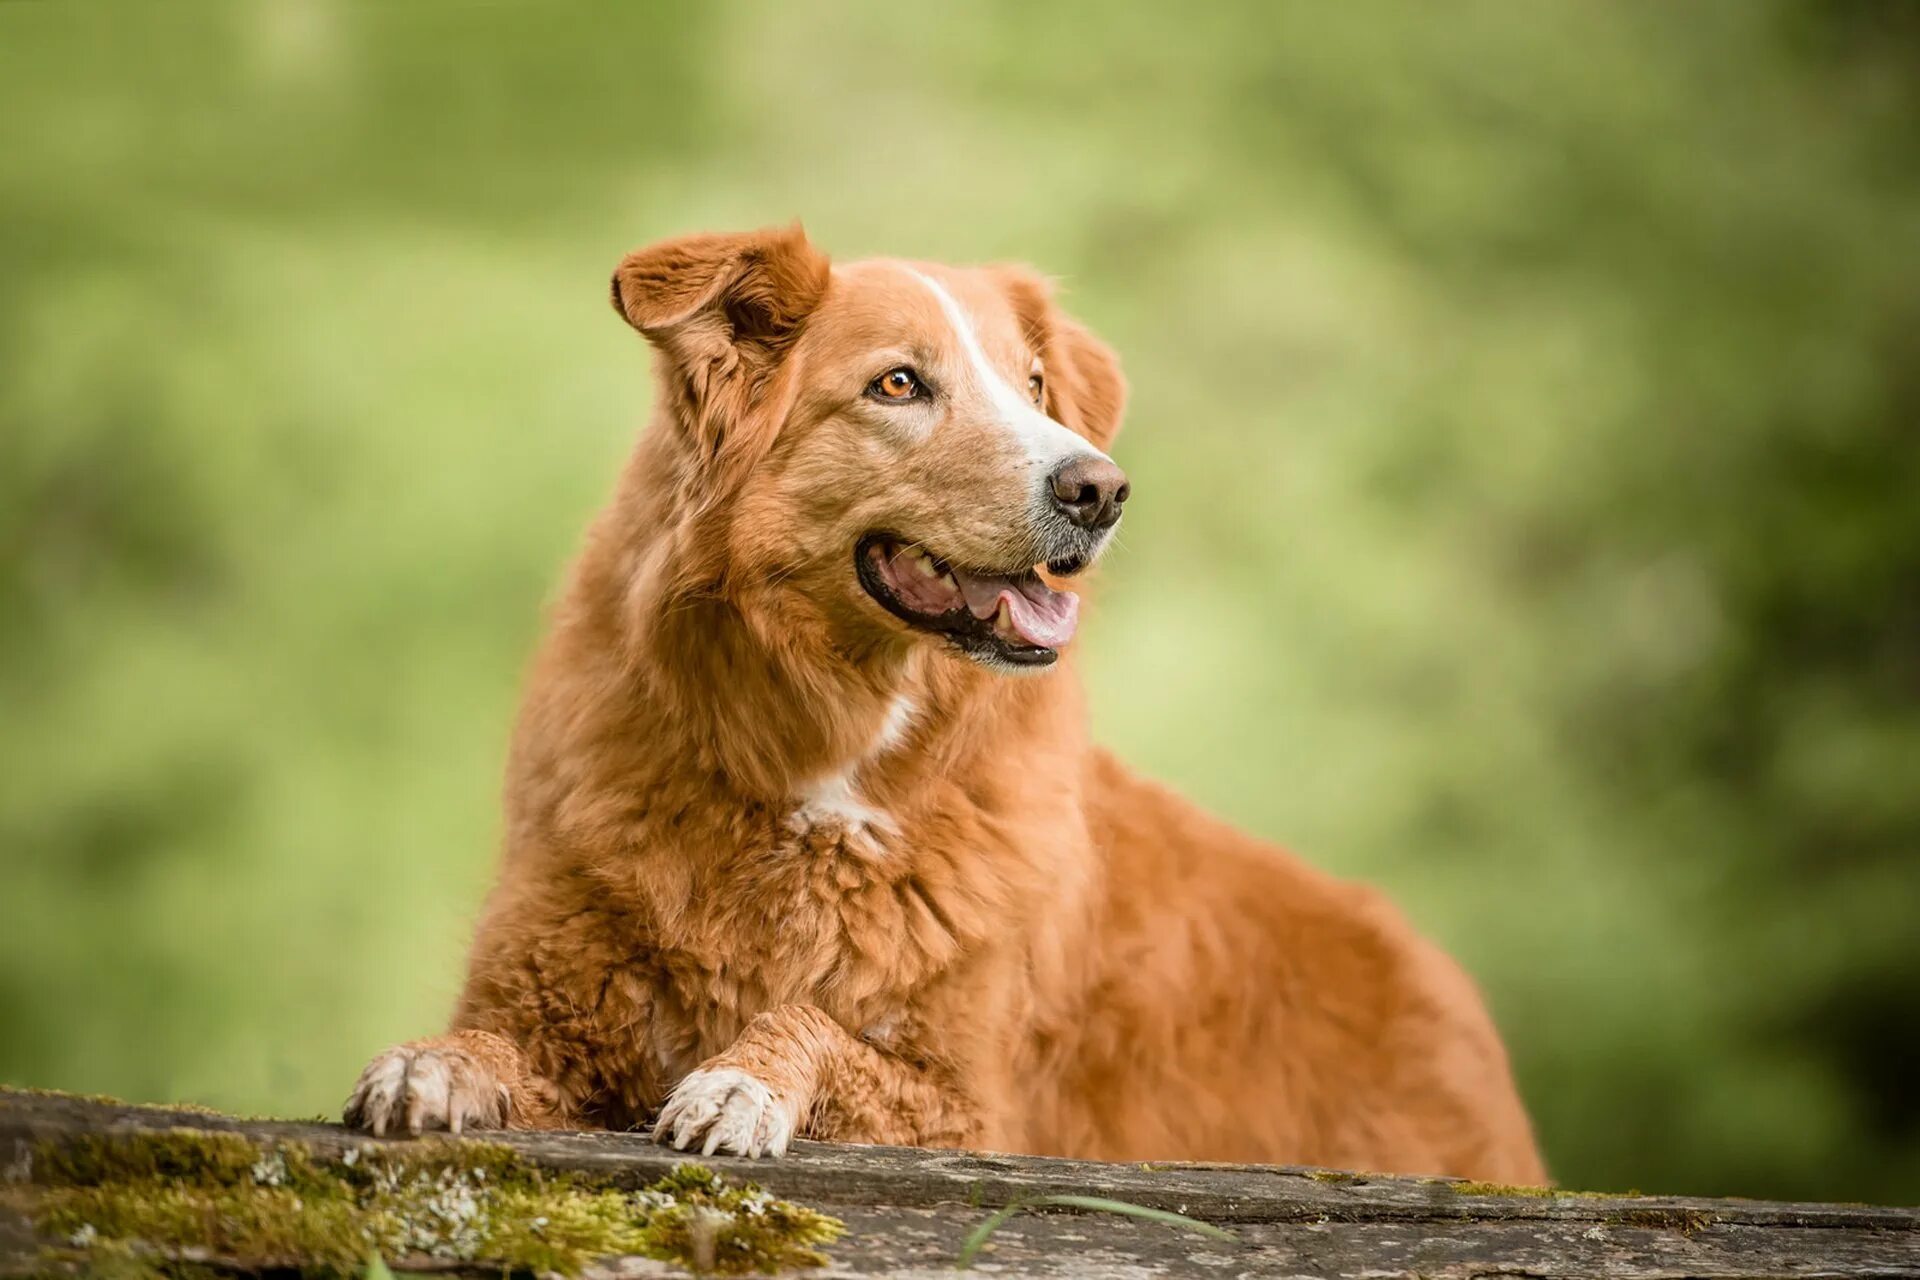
x: 1660, y: 1217
x: 147, y: 1198
x: 1530, y: 1192
x: 1502, y: 1189
x: 1685, y: 1221
x: 223, y: 1159
x: 700, y: 1220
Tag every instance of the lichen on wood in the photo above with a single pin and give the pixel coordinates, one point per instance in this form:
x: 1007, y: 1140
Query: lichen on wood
x: 166, y: 1196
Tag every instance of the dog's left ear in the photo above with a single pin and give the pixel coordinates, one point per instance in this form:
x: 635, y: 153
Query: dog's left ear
x: 1085, y: 389
x: 722, y: 311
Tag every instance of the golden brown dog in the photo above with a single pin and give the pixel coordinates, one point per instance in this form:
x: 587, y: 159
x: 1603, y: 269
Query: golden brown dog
x: 804, y: 832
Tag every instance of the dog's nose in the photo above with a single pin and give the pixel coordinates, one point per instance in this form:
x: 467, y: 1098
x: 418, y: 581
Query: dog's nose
x: 1089, y: 491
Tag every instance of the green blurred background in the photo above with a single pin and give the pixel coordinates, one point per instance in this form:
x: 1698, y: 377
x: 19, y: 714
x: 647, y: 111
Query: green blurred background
x: 1526, y: 429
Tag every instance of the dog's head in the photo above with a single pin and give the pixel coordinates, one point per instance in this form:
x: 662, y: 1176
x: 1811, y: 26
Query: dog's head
x: 899, y: 452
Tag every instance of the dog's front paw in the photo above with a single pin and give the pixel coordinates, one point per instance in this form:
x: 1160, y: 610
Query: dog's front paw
x: 735, y: 1113
x: 421, y: 1087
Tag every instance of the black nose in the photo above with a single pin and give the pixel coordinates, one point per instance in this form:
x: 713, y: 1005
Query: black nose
x: 1089, y: 491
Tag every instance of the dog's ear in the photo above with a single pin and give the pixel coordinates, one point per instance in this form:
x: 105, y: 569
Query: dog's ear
x: 723, y: 310
x: 1084, y: 388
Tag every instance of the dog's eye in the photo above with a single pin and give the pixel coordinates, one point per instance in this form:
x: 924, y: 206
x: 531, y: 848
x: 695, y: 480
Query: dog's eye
x: 1035, y: 386
x: 896, y: 384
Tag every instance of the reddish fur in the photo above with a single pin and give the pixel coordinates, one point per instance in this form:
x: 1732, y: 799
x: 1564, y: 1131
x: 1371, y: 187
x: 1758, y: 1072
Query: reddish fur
x: 1069, y: 960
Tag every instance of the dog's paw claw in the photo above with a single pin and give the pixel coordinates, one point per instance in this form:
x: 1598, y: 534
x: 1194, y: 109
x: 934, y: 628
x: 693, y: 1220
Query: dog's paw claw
x: 726, y: 1111
x: 420, y: 1089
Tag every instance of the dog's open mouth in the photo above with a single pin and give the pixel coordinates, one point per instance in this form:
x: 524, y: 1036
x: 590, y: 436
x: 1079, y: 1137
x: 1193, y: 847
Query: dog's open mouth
x: 1009, y: 617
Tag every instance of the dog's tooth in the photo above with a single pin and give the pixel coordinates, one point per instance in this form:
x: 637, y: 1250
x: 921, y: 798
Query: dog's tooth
x: 1003, y: 620
x: 927, y: 567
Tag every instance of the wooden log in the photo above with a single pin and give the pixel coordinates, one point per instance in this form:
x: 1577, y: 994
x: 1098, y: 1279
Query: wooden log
x: 908, y: 1212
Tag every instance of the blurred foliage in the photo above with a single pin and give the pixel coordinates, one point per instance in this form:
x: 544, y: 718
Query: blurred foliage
x: 1526, y: 435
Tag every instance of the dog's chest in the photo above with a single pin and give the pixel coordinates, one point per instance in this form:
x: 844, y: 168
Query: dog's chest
x: 826, y: 909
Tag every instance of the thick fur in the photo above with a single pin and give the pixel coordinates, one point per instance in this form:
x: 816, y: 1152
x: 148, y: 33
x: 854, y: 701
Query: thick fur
x: 779, y: 864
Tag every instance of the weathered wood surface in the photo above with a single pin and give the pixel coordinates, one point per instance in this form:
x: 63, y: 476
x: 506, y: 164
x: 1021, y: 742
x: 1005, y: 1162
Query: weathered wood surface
x: 909, y: 1211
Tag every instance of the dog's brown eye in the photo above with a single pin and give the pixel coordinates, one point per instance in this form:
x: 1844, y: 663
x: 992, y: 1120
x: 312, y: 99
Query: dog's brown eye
x: 895, y: 384
x: 1035, y: 386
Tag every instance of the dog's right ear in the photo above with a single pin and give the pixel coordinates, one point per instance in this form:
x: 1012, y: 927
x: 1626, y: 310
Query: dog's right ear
x: 722, y: 310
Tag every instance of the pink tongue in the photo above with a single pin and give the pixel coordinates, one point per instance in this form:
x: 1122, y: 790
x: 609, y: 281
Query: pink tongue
x: 1041, y: 616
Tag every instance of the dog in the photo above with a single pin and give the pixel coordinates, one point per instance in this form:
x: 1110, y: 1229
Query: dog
x: 804, y: 833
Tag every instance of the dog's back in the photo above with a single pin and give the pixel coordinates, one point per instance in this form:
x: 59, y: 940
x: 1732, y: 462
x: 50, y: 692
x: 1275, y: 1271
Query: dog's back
x: 1252, y: 1008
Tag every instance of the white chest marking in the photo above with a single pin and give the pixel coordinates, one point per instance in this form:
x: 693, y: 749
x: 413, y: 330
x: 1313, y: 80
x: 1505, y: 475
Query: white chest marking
x: 833, y: 800
x: 893, y: 730
x: 1046, y: 442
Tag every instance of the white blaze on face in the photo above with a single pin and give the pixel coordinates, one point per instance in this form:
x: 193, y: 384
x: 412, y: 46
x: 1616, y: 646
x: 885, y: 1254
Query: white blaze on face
x: 1046, y: 443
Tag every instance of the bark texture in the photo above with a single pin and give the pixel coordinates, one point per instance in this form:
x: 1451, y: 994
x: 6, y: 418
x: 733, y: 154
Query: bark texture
x: 908, y: 1212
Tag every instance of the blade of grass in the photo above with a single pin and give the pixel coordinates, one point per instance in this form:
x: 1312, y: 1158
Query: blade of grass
x: 1100, y: 1204
x: 376, y: 1269
x: 978, y: 1236
x: 977, y: 1239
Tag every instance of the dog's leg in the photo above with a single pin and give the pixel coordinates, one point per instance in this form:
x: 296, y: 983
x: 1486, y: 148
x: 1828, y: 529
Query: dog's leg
x: 794, y: 1070
x: 462, y: 1080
